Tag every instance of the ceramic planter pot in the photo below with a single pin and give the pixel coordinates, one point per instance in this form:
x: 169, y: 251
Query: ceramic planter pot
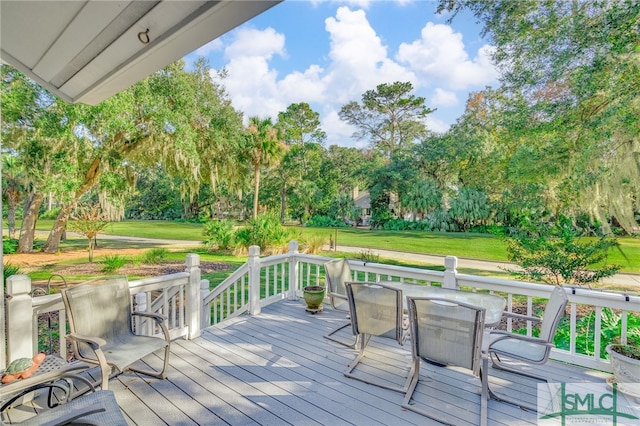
x: 626, y: 372
x: 313, y: 296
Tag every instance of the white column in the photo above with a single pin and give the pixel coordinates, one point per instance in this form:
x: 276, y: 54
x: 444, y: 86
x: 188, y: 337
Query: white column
x: 205, y: 314
x: 19, y: 318
x: 254, y: 280
x: 450, y: 280
x: 194, y: 304
x: 293, y: 270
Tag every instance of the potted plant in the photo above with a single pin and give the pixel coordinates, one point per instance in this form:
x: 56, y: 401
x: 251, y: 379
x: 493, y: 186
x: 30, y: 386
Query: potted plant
x: 313, y: 296
x: 625, y: 362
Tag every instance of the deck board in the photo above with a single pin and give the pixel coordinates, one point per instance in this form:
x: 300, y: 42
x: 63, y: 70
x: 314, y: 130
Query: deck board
x: 277, y: 369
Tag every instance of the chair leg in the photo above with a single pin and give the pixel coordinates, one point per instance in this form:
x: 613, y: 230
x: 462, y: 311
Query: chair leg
x: 352, y: 345
x: 364, y: 340
x: 158, y: 375
x: 496, y: 363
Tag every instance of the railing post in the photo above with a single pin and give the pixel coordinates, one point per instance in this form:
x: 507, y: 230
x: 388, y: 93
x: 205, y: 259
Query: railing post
x: 293, y: 270
x: 19, y: 317
x: 450, y: 280
x: 254, y: 280
x: 205, y: 315
x: 194, y: 300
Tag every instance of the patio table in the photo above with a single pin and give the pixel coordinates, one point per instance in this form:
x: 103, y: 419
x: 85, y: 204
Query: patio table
x: 493, y: 304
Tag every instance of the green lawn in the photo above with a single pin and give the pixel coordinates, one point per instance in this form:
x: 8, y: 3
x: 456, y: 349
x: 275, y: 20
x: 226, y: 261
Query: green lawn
x: 477, y: 246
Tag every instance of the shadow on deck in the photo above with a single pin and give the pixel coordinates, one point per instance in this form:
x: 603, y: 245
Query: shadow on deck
x: 276, y: 368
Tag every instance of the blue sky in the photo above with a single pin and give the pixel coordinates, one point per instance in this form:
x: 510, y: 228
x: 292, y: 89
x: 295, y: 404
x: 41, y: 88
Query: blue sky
x: 328, y: 53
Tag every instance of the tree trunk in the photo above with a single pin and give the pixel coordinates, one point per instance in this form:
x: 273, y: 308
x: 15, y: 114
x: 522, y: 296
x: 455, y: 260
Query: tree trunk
x: 12, y: 203
x: 255, y: 194
x: 283, y: 202
x: 59, y: 227
x: 53, y: 241
x: 28, y: 230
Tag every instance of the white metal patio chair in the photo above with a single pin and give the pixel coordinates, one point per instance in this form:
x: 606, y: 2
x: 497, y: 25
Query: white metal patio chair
x: 376, y: 310
x: 446, y: 332
x: 337, y: 273
x: 503, y: 346
x: 100, y: 319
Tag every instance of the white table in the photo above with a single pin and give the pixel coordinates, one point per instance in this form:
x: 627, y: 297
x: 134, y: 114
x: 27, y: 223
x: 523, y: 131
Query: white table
x: 493, y: 304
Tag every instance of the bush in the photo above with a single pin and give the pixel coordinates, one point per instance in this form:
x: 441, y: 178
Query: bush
x: 264, y: 231
x: 113, y: 263
x: 9, y: 245
x: 325, y: 222
x: 49, y: 214
x: 219, y: 234
x: 554, y: 253
x: 155, y: 256
x: 314, y: 243
x: 9, y: 270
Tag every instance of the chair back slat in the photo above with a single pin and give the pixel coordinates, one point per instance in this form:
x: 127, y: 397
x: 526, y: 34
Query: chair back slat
x: 376, y: 310
x: 447, y: 332
x: 553, y: 312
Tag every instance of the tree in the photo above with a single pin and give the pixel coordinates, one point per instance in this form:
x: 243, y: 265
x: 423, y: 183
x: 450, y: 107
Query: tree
x: 176, y: 118
x: 576, y: 67
x: 300, y: 128
x: 262, y: 148
x: 554, y: 253
x: 35, y: 131
x: 423, y: 197
x: 89, y: 221
x: 390, y: 117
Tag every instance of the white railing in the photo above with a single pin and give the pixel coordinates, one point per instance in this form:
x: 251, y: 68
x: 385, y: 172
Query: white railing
x: 167, y: 295
x: 262, y: 281
x: 190, y: 305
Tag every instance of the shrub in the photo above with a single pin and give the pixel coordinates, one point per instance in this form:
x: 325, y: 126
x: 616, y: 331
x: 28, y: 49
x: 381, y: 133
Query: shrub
x: 9, y: 245
x: 155, y: 256
x: 314, y: 243
x: 264, y: 231
x: 219, y: 234
x: 369, y: 255
x: 555, y: 254
x: 113, y: 263
x: 325, y: 222
x: 9, y: 270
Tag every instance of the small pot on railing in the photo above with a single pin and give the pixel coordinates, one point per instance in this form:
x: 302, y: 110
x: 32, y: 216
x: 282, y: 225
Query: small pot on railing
x: 313, y: 297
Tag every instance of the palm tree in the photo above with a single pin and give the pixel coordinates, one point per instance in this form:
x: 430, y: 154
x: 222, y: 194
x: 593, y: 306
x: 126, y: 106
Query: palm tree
x: 263, y: 149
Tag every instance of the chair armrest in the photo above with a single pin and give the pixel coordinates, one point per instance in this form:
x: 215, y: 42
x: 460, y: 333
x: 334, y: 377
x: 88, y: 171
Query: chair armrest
x: 33, y: 388
x: 93, y: 341
x: 160, y: 319
x: 506, y: 335
x: 522, y: 317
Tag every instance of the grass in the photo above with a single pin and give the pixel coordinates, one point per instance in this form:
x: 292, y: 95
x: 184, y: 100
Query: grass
x: 464, y: 245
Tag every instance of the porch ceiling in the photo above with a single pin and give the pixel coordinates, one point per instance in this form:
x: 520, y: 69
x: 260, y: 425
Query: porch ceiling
x: 87, y: 51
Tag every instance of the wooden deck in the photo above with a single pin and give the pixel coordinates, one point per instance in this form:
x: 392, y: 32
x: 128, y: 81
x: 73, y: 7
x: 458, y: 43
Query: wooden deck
x: 276, y: 368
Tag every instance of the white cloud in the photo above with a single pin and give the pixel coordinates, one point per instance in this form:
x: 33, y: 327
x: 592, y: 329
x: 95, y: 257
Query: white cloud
x: 436, y: 125
x: 358, y: 61
x: 443, y: 98
x: 340, y: 132
x: 439, y: 57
